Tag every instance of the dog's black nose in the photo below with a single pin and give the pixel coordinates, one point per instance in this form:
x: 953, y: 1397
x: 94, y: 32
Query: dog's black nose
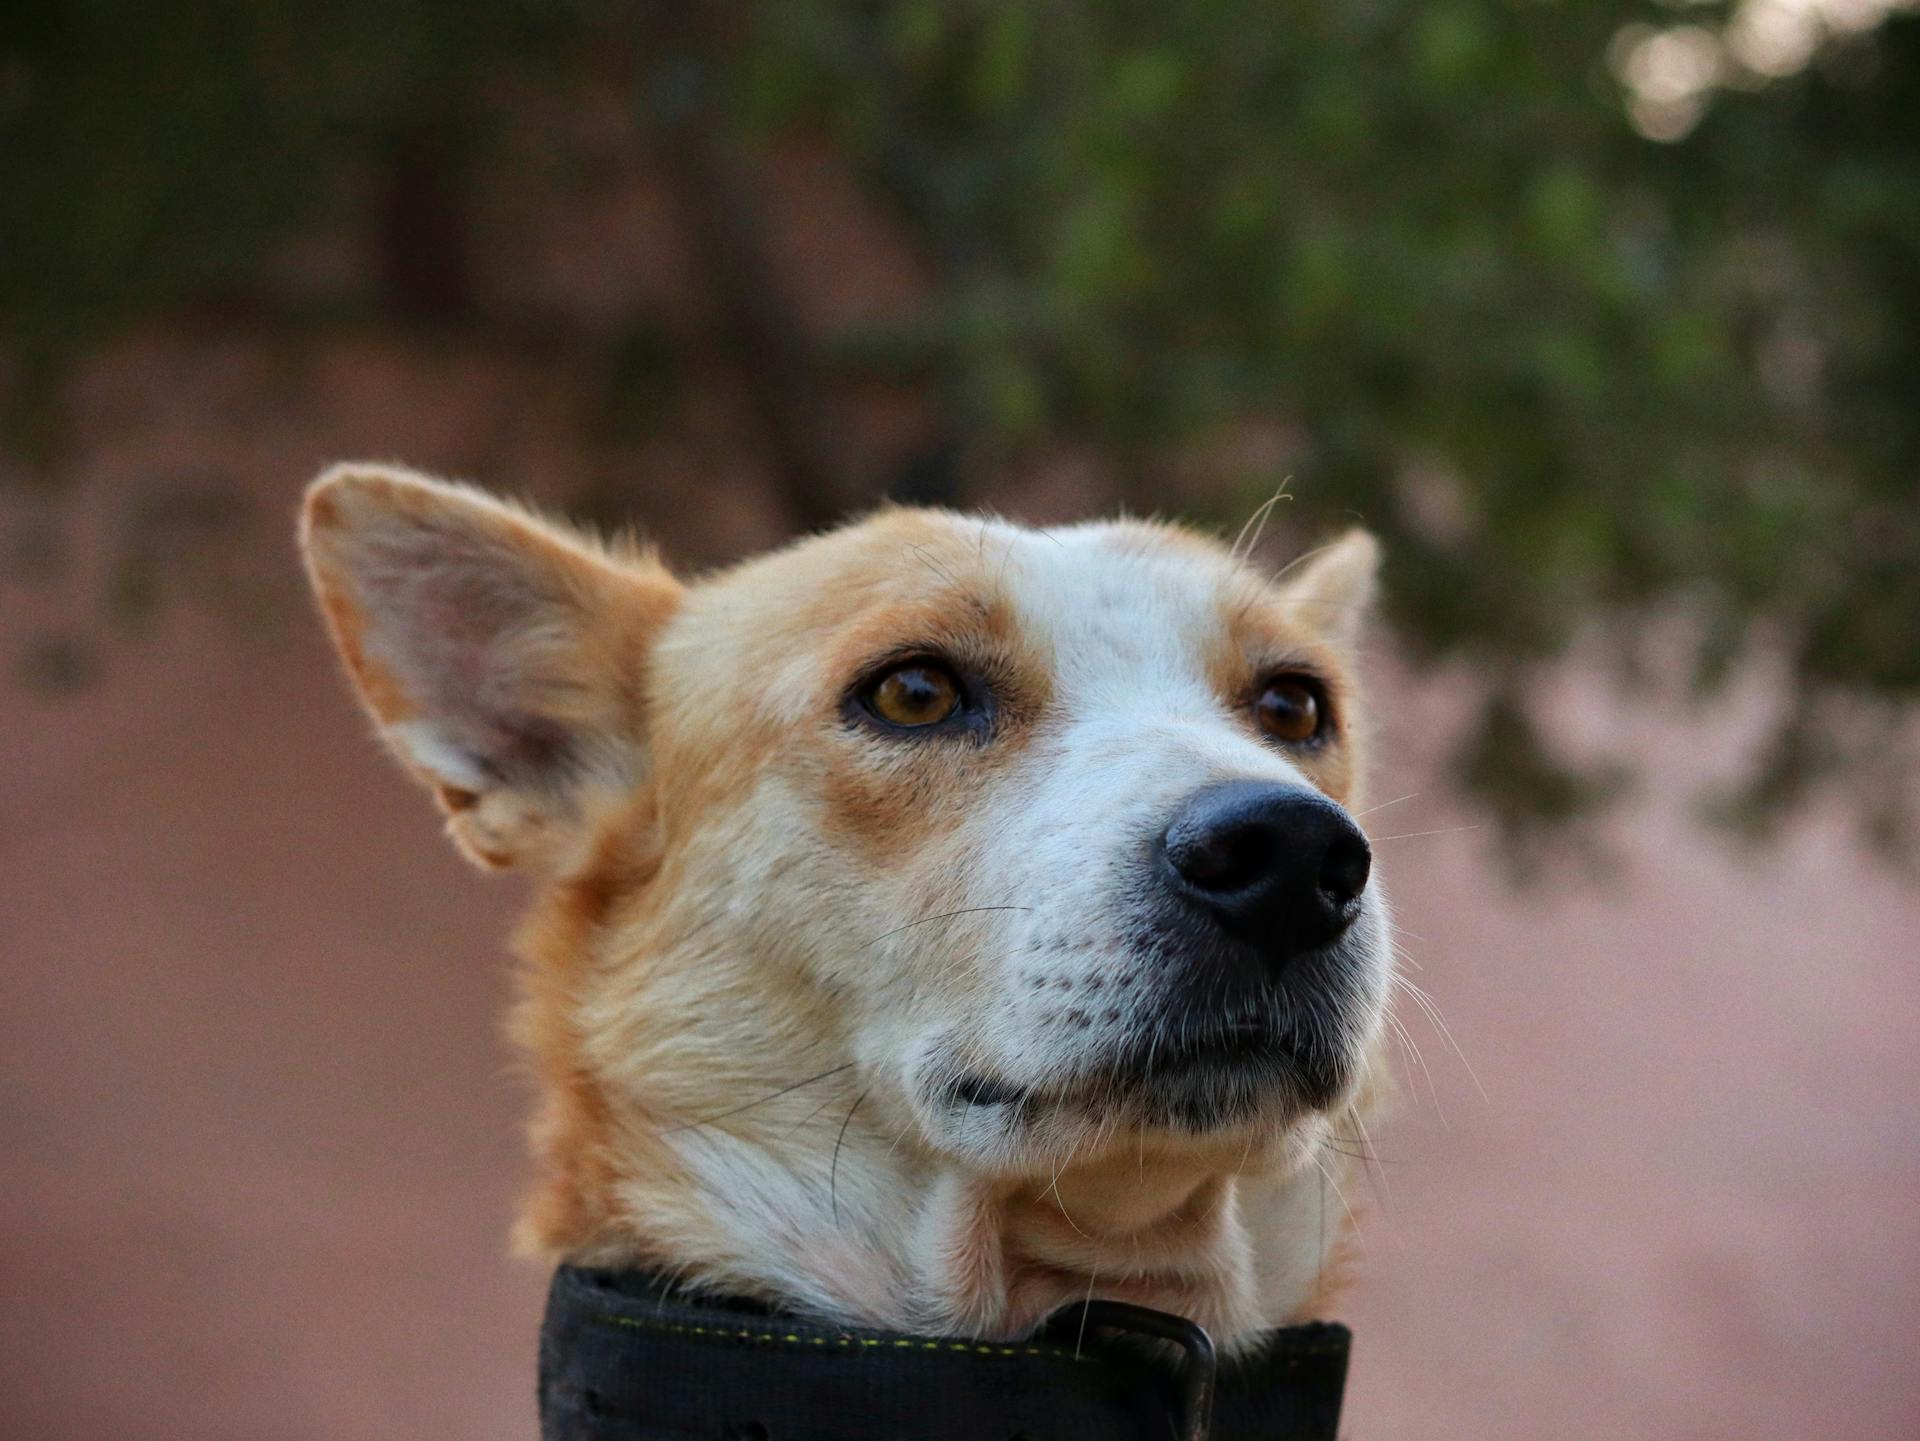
x: 1280, y: 867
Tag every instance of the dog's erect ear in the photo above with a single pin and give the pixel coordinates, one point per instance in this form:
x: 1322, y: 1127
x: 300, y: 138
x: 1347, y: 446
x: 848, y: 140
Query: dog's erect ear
x: 1333, y: 587
x: 502, y: 657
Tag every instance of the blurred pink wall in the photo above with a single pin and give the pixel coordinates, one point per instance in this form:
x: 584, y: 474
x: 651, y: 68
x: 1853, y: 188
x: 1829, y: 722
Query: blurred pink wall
x: 259, y: 1138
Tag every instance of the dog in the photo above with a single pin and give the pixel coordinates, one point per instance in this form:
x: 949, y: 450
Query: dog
x: 937, y: 920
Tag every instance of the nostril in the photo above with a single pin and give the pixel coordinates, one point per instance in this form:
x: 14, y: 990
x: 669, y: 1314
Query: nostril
x: 1220, y: 857
x: 1344, y: 868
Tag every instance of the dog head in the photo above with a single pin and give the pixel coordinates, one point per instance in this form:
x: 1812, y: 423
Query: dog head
x: 1040, y: 843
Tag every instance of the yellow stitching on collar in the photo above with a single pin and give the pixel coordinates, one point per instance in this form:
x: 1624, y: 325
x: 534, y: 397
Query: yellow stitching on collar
x: 792, y: 1338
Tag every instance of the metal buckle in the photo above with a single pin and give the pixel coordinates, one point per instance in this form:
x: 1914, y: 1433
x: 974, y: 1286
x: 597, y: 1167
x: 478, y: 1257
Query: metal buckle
x: 1197, y: 1376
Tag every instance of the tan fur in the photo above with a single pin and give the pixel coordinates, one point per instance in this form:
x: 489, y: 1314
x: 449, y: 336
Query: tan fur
x: 731, y: 874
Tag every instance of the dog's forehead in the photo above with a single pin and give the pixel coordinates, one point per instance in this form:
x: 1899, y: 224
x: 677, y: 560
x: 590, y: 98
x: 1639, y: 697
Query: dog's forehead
x: 1098, y: 606
x: 1122, y: 597
x: 1092, y: 578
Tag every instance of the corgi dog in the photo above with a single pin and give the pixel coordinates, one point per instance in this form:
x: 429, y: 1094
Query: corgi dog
x: 936, y: 921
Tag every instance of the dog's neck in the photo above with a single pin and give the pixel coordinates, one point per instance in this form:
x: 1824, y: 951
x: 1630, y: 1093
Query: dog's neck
x: 857, y: 1224
x: 806, y: 1187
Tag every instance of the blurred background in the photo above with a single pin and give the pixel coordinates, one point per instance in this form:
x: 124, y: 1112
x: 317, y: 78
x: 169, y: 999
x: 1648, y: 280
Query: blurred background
x: 1606, y: 316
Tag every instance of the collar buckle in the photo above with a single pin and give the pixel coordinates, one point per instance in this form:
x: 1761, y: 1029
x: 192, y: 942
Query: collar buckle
x: 1197, y: 1376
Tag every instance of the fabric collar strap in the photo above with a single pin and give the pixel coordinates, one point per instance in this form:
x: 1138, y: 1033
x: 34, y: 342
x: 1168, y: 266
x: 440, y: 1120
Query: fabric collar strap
x: 622, y: 1359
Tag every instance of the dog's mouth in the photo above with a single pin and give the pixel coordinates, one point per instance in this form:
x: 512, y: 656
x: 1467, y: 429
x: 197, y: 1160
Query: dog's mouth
x: 1217, y: 1076
x: 1195, y: 1080
x: 1223, y: 1047
x: 978, y: 1090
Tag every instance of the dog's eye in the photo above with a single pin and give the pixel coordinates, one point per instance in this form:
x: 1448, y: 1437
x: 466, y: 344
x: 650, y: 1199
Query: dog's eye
x: 919, y: 693
x: 1289, y: 709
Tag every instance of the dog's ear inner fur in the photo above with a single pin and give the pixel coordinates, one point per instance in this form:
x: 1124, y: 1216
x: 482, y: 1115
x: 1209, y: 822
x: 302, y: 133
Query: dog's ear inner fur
x: 1333, y: 587
x: 503, y: 657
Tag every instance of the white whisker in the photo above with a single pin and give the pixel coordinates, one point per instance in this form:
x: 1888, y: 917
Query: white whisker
x: 1257, y: 524
x: 1431, y: 1010
x: 1410, y: 835
x: 1409, y: 796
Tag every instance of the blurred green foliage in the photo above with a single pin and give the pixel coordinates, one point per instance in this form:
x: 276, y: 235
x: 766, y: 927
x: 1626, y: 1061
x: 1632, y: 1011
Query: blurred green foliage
x: 1580, y: 379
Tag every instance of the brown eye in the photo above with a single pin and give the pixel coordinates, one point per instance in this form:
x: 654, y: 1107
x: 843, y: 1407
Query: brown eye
x: 919, y: 694
x: 1289, y: 710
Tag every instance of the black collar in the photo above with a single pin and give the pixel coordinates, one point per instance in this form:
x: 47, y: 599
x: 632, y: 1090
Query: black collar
x: 623, y: 1360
